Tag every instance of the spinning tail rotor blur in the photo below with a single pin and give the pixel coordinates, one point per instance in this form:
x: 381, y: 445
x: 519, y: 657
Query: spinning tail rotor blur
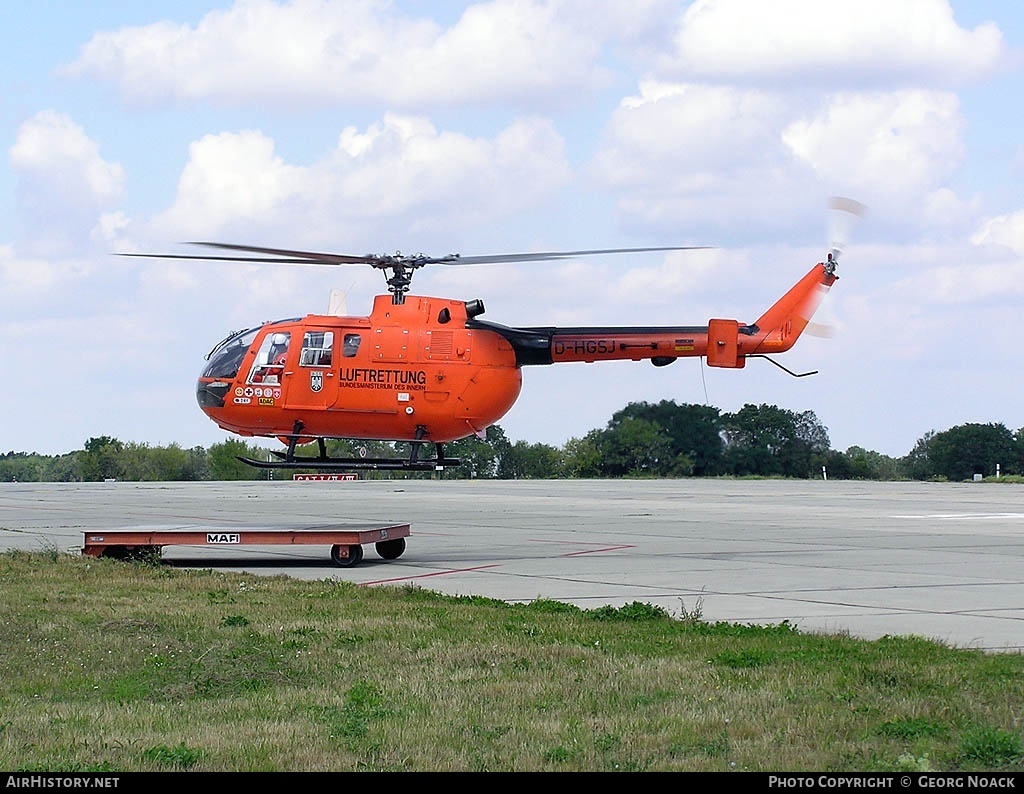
x: 843, y: 215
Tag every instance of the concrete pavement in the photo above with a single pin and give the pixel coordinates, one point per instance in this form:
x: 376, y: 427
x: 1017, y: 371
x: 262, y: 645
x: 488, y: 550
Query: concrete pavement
x: 943, y: 561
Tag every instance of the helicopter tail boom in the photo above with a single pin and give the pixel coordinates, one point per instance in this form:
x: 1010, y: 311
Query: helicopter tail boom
x: 724, y: 343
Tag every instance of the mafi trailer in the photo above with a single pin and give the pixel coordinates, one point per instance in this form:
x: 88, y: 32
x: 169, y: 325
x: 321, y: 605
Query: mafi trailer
x: 346, y: 540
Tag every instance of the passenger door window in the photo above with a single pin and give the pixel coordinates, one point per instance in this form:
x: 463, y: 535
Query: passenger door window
x: 317, y: 347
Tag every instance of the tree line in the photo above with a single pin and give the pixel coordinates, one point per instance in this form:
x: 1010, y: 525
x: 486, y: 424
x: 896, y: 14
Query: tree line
x: 643, y: 439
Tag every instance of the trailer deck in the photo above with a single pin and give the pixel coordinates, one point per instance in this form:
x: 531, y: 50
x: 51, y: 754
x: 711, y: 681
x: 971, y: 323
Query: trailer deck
x: 346, y: 540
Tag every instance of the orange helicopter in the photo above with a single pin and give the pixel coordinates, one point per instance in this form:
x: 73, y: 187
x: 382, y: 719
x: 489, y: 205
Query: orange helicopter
x: 427, y: 370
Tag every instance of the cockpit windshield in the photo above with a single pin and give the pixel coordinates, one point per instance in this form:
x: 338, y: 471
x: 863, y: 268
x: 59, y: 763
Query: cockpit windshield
x: 226, y: 358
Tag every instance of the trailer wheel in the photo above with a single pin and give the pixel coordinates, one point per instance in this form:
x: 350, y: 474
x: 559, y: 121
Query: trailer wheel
x: 355, y: 555
x: 391, y: 549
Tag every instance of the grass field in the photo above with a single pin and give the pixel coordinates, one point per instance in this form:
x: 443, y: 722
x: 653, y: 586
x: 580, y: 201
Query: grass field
x: 135, y: 666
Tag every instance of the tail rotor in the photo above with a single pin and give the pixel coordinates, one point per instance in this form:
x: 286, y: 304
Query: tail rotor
x: 842, y: 218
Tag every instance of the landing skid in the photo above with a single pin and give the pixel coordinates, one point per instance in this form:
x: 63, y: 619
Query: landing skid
x: 323, y: 462
x: 332, y: 464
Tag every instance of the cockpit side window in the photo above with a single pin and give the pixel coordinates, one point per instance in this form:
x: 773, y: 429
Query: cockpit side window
x: 269, y: 364
x: 317, y: 347
x: 350, y: 345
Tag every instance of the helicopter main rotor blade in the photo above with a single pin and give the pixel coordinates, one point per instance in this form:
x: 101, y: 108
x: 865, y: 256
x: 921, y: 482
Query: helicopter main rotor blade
x: 282, y: 256
x: 548, y: 255
x: 207, y: 257
x: 287, y: 256
x: 302, y: 257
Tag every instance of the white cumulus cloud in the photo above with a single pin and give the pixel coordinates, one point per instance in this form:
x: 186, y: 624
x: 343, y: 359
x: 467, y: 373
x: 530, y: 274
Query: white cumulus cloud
x: 1005, y: 230
x: 329, y: 51
x: 899, y: 141
x: 64, y: 183
x: 870, y: 42
x: 399, y: 171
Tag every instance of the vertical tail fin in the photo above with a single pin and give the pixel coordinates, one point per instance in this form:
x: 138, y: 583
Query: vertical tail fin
x: 775, y: 331
x: 778, y: 328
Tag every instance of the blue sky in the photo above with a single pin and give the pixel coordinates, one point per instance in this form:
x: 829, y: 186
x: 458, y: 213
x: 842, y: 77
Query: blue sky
x: 363, y: 126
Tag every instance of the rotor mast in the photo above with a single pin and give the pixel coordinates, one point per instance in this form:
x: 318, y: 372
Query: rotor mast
x: 399, y: 269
